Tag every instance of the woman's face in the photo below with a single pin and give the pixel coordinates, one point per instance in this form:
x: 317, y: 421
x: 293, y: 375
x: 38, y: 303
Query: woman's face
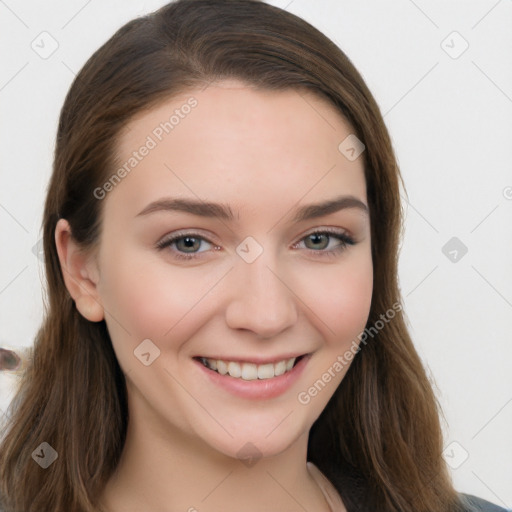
x: 213, y: 248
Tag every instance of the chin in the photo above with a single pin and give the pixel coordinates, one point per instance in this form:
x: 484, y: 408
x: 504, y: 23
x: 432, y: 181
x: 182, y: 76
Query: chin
x: 257, y: 439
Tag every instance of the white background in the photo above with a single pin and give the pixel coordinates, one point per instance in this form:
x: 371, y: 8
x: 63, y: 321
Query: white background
x: 451, y: 124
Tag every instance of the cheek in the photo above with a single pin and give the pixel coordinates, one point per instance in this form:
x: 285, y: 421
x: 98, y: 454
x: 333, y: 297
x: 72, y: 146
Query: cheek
x: 148, y: 298
x: 340, y: 298
x: 341, y: 308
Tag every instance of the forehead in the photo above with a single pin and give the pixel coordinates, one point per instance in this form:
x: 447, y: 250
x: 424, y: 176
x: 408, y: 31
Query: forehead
x: 232, y: 138
x: 238, y: 106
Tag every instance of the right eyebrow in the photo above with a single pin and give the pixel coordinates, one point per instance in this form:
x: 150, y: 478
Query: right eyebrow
x: 201, y: 208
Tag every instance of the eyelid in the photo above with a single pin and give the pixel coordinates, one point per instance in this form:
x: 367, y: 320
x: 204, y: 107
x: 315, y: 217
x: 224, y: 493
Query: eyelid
x: 326, y: 229
x: 183, y: 233
x: 171, y: 238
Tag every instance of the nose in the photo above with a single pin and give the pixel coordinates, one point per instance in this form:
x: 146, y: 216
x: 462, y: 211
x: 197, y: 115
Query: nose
x: 262, y: 301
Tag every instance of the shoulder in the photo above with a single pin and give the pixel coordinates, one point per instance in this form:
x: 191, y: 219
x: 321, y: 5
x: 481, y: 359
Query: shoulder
x: 474, y: 504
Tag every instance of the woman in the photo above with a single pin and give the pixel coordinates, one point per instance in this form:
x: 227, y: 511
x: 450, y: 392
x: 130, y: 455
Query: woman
x: 220, y: 234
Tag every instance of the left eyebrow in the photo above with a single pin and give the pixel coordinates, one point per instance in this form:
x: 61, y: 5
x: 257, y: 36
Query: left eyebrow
x: 208, y: 209
x: 312, y: 211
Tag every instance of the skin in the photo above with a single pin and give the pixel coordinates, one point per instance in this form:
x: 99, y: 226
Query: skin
x: 264, y: 154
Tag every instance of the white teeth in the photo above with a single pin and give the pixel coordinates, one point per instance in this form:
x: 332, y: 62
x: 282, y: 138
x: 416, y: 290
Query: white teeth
x: 280, y: 368
x: 234, y: 369
x: 222, y: 367
x: 249, y: 371
x: 265, y: 371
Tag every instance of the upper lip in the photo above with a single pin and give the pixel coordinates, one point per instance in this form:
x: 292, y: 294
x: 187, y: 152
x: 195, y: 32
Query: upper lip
x: 254, y: 359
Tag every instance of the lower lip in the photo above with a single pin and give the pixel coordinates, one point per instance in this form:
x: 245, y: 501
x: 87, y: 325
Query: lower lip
x: 256, y: 389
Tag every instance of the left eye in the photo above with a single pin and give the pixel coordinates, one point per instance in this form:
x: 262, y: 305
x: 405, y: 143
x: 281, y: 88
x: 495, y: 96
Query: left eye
x: 323, y: 241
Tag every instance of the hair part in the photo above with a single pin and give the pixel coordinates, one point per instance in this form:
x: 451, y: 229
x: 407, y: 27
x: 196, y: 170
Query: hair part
x: 379, y: 438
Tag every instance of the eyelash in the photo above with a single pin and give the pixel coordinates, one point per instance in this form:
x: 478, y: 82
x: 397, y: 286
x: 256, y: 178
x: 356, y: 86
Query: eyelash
x: 332, y: 253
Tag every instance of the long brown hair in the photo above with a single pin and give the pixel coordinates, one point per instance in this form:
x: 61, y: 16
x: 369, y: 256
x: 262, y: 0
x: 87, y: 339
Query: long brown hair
x: 379, y: 438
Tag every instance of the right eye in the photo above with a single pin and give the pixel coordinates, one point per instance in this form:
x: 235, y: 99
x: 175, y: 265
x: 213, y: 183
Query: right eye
x: 184, y: 245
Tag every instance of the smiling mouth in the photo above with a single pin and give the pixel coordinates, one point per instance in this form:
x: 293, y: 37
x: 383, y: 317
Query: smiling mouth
x: 250, y: 371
